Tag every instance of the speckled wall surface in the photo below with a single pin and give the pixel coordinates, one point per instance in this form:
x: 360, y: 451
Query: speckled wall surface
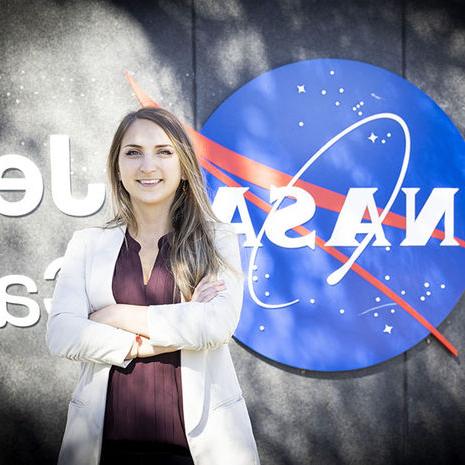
x: 62, y: 73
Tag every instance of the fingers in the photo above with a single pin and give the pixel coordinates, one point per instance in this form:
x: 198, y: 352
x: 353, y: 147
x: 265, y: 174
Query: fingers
x: 214, y: 285
x: 205, y: 291
x: 209, y: 293
x: 207, y: 296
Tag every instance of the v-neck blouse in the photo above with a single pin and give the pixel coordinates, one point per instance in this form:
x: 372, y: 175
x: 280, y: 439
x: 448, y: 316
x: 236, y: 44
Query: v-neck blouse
x: 144, y: 400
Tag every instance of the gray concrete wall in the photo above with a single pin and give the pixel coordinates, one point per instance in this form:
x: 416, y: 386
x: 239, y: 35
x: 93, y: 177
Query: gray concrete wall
x: 61, y: 73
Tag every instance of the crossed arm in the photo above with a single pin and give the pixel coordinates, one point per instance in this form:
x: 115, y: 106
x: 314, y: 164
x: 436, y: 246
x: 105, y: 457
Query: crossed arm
x: 108, y: 336
x: 132, y: 318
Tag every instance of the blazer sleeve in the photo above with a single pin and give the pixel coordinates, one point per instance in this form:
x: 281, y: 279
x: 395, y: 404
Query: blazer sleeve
x: 70, y: 333
x: 203, y: 325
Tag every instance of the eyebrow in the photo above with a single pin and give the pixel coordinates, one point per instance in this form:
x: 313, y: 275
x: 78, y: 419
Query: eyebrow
x: 140, y: 146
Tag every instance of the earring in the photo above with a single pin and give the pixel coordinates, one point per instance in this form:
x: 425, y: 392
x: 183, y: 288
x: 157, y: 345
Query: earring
x: 184, y: 185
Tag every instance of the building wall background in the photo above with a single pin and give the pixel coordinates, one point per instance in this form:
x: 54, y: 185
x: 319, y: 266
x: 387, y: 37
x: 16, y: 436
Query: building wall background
x: 62, y: 73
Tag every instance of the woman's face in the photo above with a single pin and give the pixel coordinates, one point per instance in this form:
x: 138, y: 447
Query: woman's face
x: 147, y: 153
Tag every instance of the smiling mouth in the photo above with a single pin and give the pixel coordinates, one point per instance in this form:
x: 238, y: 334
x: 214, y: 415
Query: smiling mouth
x: 149, y: 182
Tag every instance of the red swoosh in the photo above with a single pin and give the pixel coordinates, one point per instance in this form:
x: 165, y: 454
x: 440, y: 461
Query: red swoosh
x: 256, y: 173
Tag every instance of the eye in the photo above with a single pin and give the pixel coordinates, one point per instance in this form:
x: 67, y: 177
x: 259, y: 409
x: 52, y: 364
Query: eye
x: 163, y: 152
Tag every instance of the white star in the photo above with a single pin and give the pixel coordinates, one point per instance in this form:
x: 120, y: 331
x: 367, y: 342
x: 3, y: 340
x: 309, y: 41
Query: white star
x: 301, y: 88
x: 387, y: 329
x: 373, y: 137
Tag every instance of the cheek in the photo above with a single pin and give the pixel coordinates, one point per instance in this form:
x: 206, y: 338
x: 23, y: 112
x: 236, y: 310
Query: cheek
x: 174, y: 170
x: 126, y: 167
x: 121, y: 165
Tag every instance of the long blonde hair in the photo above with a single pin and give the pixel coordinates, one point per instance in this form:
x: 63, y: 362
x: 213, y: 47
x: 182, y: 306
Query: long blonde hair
x: 192, y: 253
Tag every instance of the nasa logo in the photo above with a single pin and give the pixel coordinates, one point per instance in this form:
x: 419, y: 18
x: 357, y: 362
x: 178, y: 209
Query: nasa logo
x: 352, y: 175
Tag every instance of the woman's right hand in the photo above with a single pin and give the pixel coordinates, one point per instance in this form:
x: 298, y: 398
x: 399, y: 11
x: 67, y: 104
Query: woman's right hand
x: 145, y: 349
x: 206, y: 289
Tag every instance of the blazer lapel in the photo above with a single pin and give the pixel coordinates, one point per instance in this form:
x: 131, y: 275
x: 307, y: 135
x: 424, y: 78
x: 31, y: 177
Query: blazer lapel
x: 103, y: 257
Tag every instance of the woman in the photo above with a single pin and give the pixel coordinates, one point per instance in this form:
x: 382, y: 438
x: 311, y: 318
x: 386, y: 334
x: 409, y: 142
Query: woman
x: 174, y: 398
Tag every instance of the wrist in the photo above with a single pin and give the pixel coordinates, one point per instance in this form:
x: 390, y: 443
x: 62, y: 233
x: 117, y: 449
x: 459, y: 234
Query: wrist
x: 138, y: 343
x: 135, y: 349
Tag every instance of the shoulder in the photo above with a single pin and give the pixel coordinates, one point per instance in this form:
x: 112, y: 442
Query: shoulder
x: 87, y: 234
x: 226, y: 238
x: 221, y: 227
x: 89, y: 231
x: 223, y: 231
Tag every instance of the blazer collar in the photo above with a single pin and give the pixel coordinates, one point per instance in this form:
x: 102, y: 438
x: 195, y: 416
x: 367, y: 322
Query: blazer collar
x: 103, y: 256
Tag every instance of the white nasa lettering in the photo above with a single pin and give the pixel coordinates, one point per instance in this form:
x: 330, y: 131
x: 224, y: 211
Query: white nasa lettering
x: 349, y: 221
x: 348, y: 224
x: 439, y: 203
x: 228, y: 199
x: 225, y: 203
x: 293, y: 215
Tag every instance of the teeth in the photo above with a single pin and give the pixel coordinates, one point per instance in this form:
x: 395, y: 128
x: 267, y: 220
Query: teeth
x: 151, y: 181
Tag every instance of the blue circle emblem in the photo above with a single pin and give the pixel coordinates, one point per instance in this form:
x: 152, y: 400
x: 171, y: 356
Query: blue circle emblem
x: 358, y: 162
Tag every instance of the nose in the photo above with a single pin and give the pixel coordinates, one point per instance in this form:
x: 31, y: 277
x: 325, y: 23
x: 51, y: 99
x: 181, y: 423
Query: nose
x: 148, y: 163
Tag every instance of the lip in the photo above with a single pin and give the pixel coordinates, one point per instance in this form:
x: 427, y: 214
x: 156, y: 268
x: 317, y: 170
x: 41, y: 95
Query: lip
x: 150, y: 184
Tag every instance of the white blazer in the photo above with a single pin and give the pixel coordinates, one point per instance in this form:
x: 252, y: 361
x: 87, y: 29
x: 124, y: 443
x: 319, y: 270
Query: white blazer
x: 217, y: 422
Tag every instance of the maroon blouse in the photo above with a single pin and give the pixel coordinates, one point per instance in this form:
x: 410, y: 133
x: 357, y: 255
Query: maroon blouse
x: 144, y: 400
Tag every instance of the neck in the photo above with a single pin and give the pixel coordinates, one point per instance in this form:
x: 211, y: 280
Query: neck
x: 151, y: 224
